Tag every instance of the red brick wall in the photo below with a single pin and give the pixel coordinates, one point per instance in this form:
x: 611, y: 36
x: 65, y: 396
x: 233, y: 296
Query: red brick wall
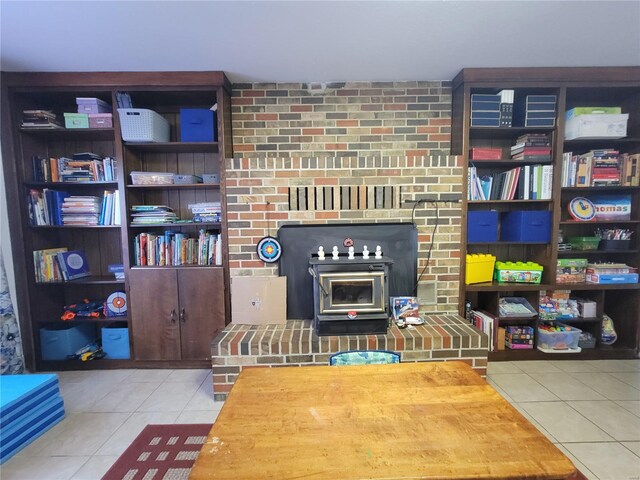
x: 394, y: 135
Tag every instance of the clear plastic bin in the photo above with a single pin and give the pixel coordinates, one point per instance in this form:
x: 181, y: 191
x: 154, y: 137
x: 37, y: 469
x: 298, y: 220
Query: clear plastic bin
x: 559, y: 340
x: 151, y: 178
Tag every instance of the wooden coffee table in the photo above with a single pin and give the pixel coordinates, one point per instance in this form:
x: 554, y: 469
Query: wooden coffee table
x: 436, y: 420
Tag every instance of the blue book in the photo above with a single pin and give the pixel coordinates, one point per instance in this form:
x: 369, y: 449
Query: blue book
x: 73, y: 264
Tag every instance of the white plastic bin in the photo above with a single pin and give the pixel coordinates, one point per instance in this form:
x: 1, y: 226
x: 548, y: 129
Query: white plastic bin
x: 142, y: 125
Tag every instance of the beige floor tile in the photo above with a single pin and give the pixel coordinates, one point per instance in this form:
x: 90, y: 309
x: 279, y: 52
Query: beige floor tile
x: 124, y: 397
x: 609, y: 461
x: 79, y: 397
x: 95, y: 467
x: 612, y: 418
x: 82, y: 434
x: 503, y: 367
x: 149, y: 375
x: 42, y: 468
x: 631, y: 378
x: 169, y: 397
x: 122, y: 438
x: 578, y: 464
x: 633, y: 446
x: 606, y: 385
x: 574, y: 366
x: 564, y: 423
x: 522, y: 388
x: 566, y: 387
x: 502, y: 393
x: 203, y: 398
x: 617, y: 365
x: 537, y: 366
x: 198, y: 416
x: 188, y: 376
x: 631, y: 405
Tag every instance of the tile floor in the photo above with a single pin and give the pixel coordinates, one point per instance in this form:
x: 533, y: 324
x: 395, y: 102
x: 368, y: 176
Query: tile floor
x: 590, y: 409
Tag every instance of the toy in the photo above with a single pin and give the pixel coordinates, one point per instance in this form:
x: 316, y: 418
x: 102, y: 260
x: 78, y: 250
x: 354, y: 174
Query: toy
x: 320, y: 253
x: 85, y: 309
x: 92, y: 351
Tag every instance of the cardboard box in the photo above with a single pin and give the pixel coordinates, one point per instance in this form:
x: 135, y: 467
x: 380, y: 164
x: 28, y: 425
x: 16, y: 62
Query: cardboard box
x: 259, y: 300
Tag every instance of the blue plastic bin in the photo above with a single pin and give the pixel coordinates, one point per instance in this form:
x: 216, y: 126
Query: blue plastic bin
x: 115, y: 342
x: 197, y: 125
x: 482, y: 226
x: 526, y: 226
x: 57, y: 342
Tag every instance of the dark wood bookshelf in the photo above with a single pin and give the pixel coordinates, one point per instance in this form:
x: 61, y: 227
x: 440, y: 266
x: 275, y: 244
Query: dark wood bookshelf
x: 173, y: 147
x: 69, y: 184
x: 174, y: 267
x: 175, y: 186
x: 70, y: 227
x: 91, y: 280
x: 599, y: 222
x: 123, y: 319
x: 478, y: 202
x: 70, y: 133
x: 573, y: 87
x: 178, y: 225
x: 202, y: 292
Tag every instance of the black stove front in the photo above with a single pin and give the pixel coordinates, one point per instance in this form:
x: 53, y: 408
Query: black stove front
x: 351, y: 297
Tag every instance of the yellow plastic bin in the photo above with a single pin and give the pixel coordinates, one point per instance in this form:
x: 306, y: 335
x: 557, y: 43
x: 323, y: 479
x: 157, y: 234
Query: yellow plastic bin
x: 479, y: 268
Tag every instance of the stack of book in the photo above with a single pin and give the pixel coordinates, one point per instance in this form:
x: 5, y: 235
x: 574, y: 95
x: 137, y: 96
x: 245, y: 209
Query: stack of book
x: 206, y: 212
x: 630, y: 170
x: 83, y: 167
x: 152, y: 214
x: 598, y: 168
x: 485, y: 110
x: 35, y: 119
x: 487, y: 323
x: 532, y: 147
x: 529, y: 182
x: 81, y: 210
x: 45, y: 206
x: 59, y: 264
x: 537, y: 111
x: 174, y: 248
x: 110, y: 212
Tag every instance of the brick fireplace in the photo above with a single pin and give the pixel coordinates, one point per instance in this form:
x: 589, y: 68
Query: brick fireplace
x: 354, y: 154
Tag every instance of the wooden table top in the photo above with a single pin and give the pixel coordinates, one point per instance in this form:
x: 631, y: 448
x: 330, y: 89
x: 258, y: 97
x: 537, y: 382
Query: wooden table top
x: 428, y: 420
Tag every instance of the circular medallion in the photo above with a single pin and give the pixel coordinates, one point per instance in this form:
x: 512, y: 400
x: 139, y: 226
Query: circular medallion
x: 582, y: 209
x: 348, y: 242
x: 269, y: 250
x: 351, y: 314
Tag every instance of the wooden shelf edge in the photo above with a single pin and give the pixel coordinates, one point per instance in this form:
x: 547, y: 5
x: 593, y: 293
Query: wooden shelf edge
x: 599, y: 353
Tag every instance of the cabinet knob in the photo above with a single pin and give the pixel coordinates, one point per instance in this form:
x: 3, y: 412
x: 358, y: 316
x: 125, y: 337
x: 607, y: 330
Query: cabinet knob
x: 182, y: 315
x: 173, y: 316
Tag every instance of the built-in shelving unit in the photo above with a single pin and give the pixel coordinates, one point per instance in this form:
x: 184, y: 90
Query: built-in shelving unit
x: 573, y: 87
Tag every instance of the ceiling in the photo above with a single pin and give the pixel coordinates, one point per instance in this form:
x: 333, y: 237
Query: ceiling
x: 316, y: 41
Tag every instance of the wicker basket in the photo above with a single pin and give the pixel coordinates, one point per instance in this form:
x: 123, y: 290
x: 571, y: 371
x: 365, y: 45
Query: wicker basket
x: 142, y: 125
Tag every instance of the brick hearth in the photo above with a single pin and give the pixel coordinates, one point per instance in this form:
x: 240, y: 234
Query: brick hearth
x: 442, y: 337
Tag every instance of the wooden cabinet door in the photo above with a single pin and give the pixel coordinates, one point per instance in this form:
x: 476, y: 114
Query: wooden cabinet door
x: 154, y: 314
x: 201, y: 293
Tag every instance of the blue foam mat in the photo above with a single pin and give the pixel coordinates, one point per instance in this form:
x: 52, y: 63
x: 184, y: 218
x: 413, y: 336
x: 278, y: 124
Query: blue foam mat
x: 29, y: 435
x: 25, y: 422
x: 15, y: 390
x: 29, y: 405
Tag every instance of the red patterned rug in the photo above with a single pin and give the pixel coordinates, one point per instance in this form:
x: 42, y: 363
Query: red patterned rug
x: 160, y: 452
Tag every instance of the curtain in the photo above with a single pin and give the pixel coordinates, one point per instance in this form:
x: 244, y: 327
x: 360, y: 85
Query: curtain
x: 11, y: 357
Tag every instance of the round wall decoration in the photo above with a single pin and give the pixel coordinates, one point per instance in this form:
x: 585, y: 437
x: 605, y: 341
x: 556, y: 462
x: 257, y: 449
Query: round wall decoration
x: 269, y: 249
x: 582, y: 209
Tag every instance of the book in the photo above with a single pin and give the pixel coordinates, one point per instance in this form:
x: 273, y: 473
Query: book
x: 73, y: 264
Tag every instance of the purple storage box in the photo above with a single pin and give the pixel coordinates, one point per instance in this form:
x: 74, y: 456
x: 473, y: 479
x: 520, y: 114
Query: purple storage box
x: 100, y: 120
x: 92, y: 105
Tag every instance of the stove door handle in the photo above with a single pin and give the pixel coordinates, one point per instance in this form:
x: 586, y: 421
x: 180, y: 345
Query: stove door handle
x: 312, y: 272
